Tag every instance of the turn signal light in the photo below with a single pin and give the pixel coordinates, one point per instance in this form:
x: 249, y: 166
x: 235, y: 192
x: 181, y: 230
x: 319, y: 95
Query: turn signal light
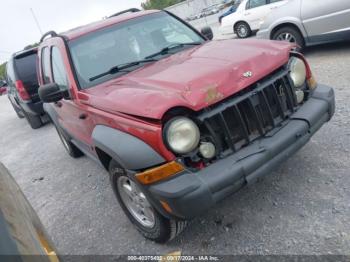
x: 159, y: 173
x: 166, y: 206
x: 312, y: 83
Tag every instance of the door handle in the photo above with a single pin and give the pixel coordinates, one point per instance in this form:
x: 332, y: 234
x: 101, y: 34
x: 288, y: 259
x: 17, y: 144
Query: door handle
x: 58, y: 104
x: 83, y: 116
x: 247, y: 13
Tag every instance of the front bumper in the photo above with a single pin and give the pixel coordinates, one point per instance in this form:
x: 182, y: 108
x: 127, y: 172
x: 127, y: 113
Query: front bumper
x: 190, y: 194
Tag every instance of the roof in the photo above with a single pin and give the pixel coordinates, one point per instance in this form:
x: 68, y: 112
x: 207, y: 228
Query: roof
x: 85, y: 29
x: 25, y: 52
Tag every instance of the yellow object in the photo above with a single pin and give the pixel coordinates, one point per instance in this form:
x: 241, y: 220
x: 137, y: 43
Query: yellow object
x: 159, y: 173
x: 166, y: 206
x: 48, y: 249
x: 174, y: 256
x: 312, y: 83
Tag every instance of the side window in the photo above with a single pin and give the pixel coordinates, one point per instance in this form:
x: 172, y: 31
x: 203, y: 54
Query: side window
x: 58, y: 69
x: 45, y: 64
x: 274, y: 1
x: 10, y: 73
x: 255, y: 3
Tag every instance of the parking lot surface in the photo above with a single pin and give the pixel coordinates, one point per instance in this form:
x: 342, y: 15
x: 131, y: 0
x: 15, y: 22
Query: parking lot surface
x: 301, y: 208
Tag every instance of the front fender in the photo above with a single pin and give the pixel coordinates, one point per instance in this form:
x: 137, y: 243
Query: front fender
x: 288, y: 21
x: 129, y: 151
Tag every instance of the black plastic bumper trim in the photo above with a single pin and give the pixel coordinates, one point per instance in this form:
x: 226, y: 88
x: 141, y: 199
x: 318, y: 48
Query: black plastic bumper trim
x: 190, y: 194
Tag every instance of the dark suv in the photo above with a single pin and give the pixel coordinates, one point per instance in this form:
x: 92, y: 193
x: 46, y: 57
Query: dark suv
x: 23, y: 86
x: 180, y: 122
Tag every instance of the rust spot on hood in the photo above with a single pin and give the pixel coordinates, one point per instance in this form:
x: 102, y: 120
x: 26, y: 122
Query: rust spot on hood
x: 212, y: 94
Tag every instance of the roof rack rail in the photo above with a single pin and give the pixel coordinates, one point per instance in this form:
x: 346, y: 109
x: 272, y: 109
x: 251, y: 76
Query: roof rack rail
x: 50, y: 33
x: 131, y: 10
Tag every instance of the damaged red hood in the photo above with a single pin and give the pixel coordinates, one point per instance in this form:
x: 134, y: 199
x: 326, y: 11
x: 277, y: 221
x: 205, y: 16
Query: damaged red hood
x: 194, y: 78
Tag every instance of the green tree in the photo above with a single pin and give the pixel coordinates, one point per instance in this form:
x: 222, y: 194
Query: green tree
x: 159, y: 4
x: 31, y: 46
x: 2, y: 70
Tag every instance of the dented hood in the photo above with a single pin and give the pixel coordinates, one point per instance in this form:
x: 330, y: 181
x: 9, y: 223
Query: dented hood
x: 194, y: 78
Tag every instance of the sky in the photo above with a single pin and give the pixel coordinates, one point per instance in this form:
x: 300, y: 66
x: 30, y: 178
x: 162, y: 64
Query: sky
x: 18, y: 27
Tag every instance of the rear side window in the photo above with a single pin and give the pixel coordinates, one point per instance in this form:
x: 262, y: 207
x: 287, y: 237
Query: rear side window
x: 26, y: 69
x: 45, y: 64
x: 255, y: 3
x: 10, y: 73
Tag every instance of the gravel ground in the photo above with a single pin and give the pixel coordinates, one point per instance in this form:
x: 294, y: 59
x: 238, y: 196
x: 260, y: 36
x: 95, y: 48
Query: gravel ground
x: 301, y: 208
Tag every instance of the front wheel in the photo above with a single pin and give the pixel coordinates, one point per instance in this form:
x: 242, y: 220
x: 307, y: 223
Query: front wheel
x: 149, y: 222
x: 242, y: 29
x: 289, y: 34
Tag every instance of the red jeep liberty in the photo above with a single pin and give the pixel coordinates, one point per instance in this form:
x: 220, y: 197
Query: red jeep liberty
x: 179, y: 121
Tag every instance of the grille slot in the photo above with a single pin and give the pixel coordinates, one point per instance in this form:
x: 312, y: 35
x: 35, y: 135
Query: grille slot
x: 241, y: 119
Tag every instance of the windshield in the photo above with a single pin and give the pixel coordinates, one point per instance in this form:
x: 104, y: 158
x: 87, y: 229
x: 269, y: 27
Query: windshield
x: 127, y: 42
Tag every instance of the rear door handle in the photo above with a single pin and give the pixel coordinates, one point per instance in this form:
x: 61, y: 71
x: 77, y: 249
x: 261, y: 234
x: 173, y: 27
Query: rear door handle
x: 58, y: 104
x: 83, y: 116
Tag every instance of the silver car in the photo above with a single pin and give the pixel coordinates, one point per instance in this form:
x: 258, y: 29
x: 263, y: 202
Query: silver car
x: 308, y: 22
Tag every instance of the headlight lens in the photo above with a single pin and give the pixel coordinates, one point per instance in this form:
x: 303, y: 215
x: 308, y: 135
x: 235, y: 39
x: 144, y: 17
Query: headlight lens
x: 182, y: 135
x: 297, y: 71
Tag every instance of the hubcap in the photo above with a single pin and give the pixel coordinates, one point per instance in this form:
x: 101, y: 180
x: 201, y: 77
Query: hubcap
x: 136, y: 202
x: 242, y: 30
x: 288, y: 37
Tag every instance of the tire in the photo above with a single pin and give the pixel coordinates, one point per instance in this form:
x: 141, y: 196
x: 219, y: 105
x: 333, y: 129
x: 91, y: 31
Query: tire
x: 71, y: 149
x: 242, y: 30
x: 291, y: 35
x: 34, y: 121
x: 154, y: 227
x: 18, y: 111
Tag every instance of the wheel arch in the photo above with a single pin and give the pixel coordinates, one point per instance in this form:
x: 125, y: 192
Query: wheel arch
x: 103, y: 157
x: 287, y: 24
x: 129, y: 151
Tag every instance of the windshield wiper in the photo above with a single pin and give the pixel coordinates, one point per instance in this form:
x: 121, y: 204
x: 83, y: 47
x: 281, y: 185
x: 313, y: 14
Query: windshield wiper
x: 122, y: 68
x: 166, y: 50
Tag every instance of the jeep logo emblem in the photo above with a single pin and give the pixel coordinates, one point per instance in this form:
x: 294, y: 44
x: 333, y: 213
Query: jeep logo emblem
x: 248, y: 74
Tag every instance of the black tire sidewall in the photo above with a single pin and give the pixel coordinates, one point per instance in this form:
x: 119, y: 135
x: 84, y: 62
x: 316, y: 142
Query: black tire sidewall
x: 298, y: 37
x: 71, y: 149
x: 237, y: 26
x: 34, y: 121
x: 160, y: 232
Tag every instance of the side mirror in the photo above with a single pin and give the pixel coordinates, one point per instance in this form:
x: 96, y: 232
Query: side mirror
x: 50, y: 93
x: 207, y: 32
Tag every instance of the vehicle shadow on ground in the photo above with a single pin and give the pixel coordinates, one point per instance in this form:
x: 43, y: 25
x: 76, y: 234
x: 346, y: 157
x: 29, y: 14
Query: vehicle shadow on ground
x: 327, y: 49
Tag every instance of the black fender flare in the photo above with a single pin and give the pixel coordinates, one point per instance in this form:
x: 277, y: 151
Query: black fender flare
x: 129, y: 151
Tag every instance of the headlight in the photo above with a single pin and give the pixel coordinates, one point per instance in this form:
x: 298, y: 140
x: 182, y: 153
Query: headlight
x: 182, y: 135
x: 297, y: 71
